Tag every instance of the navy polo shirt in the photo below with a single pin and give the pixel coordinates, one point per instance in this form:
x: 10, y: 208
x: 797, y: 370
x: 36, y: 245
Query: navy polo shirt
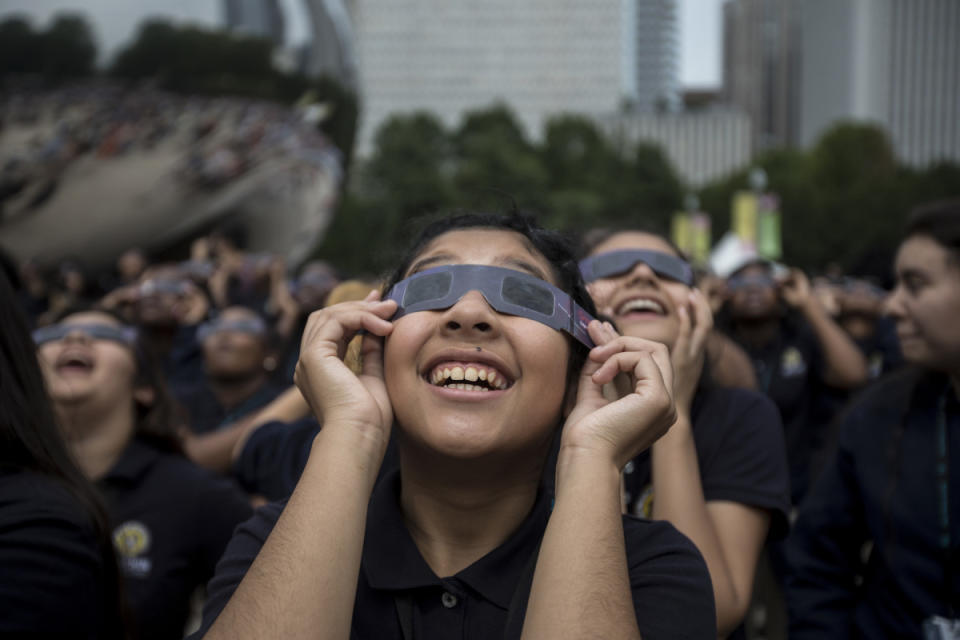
x: 205, y: 414
x: 54, y: 576
x: 171, y: 521
x: 789, y: 371
x: 740, y: 455
x: 671, y: 588
x: 880, y: 485
x: 274, y: 456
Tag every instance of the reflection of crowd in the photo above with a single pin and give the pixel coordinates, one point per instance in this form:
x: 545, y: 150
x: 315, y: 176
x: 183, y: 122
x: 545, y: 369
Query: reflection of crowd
x: 805, y: 461
x: 220, y: 139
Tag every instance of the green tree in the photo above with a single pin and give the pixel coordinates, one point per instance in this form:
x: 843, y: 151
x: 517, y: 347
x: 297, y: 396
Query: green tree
x: 69, y: 49
x: 495, y: 162
x: 21, y: 48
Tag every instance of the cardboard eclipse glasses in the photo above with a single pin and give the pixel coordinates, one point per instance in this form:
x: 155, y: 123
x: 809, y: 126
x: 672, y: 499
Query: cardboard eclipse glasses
x: 124, y: 335
x: 614, y: 263
x: 506, y: 290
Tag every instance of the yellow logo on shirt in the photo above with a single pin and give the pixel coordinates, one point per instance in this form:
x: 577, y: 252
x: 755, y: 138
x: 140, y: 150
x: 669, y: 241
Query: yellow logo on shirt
x: 131, y: 539
x: 792, y: 363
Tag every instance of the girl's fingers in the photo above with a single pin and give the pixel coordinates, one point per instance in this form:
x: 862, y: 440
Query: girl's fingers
x: 626, y: 362
x: 703, y: 319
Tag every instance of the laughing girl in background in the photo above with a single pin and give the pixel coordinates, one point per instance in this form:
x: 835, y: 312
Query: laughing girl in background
x: 720, y: 474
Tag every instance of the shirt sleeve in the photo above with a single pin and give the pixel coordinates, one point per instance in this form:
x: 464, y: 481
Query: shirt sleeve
x: 52, y: 574
x: 220, y: 506
x: 749, y: 463
x: 274, y: 457
x: 824, y: 550
x: 670, y: 584
x: 237, y: 558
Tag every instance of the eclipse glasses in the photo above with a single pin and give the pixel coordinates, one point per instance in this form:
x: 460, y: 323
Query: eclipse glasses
x: 124, y: 335
x: 614, y: 263
x: 508, y: 291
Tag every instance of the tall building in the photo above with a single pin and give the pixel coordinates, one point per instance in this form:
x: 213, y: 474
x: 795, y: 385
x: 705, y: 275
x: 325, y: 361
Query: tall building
x: 893, y: 62
x: 655, y: 64
x: 262, y: 18
x: 541, y: 57
x: 761, y: 66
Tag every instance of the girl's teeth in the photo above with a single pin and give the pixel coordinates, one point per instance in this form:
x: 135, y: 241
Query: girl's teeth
x: 470, y: 374
x: 482, y: 374
x: 456, y: 373
x: 492, y: 379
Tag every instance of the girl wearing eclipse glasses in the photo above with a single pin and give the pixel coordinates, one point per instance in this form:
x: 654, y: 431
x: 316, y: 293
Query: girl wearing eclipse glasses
x: 481, y: 351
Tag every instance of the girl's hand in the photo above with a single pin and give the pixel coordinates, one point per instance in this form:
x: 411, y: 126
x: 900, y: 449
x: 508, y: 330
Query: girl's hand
x: 620, y: 429
x: 335, y: 394
x: 688, y: 353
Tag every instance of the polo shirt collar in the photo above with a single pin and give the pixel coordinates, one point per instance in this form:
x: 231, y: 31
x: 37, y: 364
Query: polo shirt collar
x: 391, y: 560
x: 135, y: 460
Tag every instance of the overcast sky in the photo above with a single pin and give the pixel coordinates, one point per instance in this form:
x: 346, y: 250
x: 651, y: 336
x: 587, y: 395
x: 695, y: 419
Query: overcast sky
x: 115, y: 20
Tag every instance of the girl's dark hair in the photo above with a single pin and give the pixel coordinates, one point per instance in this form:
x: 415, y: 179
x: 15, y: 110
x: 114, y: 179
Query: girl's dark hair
x: 940, y: 221
x: 552, y: 245
x: 154, y: 423
x: 30, y: 439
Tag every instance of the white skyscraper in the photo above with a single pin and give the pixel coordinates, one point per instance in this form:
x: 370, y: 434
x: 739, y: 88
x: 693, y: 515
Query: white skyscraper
x: 893, y: 62
x: 541, y: 57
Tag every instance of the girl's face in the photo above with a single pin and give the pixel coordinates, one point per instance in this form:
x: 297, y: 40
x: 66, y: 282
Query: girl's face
x: 468, y: 381
x: 642, y: 304
x: 234, y: 354
x: 80, y: 369
x: 926, y: 304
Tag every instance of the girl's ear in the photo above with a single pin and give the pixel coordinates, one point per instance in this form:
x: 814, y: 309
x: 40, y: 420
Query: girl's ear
x: 145, y: 395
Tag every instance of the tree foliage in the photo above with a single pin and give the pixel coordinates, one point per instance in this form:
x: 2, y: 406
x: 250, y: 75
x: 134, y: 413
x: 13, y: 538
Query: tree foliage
x: 65, y: 49
x: 574, y: 179
x: 844, y: 201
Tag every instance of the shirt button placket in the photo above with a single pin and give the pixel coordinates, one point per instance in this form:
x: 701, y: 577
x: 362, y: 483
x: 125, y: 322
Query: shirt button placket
x: 449, y: 600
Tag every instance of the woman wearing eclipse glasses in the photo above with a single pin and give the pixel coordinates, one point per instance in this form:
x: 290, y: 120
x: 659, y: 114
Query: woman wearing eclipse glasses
x: 719, y: 474
x: 170, y: 520
x: 481, y: 351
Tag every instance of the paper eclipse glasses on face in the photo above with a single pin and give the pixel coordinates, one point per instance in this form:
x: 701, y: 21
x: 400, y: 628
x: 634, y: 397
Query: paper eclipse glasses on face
x: 511, y: 292
x: 124, y: 335
x: 614, y: 263
x: 252, y: 326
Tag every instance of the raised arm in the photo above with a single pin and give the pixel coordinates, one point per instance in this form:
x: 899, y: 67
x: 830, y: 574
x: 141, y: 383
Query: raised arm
x: 728, y: 534
x: 844, y: 364
x: 582, y: 586
x: 303, y: 582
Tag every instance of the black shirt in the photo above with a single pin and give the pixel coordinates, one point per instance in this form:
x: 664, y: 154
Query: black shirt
x: 671, y: 588
x: 171, y: 523
x: 205, y: 414
x: 740, y: 454
x: 54, y: 578
x: 789, y: 371
x: 881, y: 485
x: 274, y: 456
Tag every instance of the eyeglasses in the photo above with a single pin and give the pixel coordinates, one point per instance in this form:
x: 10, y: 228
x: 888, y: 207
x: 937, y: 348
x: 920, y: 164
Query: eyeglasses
x: 613, y: 263
x: 251, y: 326
x: 124, y: 335
x: 757, y: 281
x: 511, y: 292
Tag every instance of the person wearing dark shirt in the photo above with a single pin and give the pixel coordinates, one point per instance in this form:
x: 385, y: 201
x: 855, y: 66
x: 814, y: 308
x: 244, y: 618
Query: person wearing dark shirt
x: 58, y: 572
x: 170, y: 519
x: 892, y: 480
x: 167, y: 308
x: 720, y: 474
x: 793, y: 353
x: 238, y: 361
x: 476, y: 387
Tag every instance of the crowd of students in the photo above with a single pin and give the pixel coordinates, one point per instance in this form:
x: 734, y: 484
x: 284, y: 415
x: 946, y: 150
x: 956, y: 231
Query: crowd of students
x: 514, y: 433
